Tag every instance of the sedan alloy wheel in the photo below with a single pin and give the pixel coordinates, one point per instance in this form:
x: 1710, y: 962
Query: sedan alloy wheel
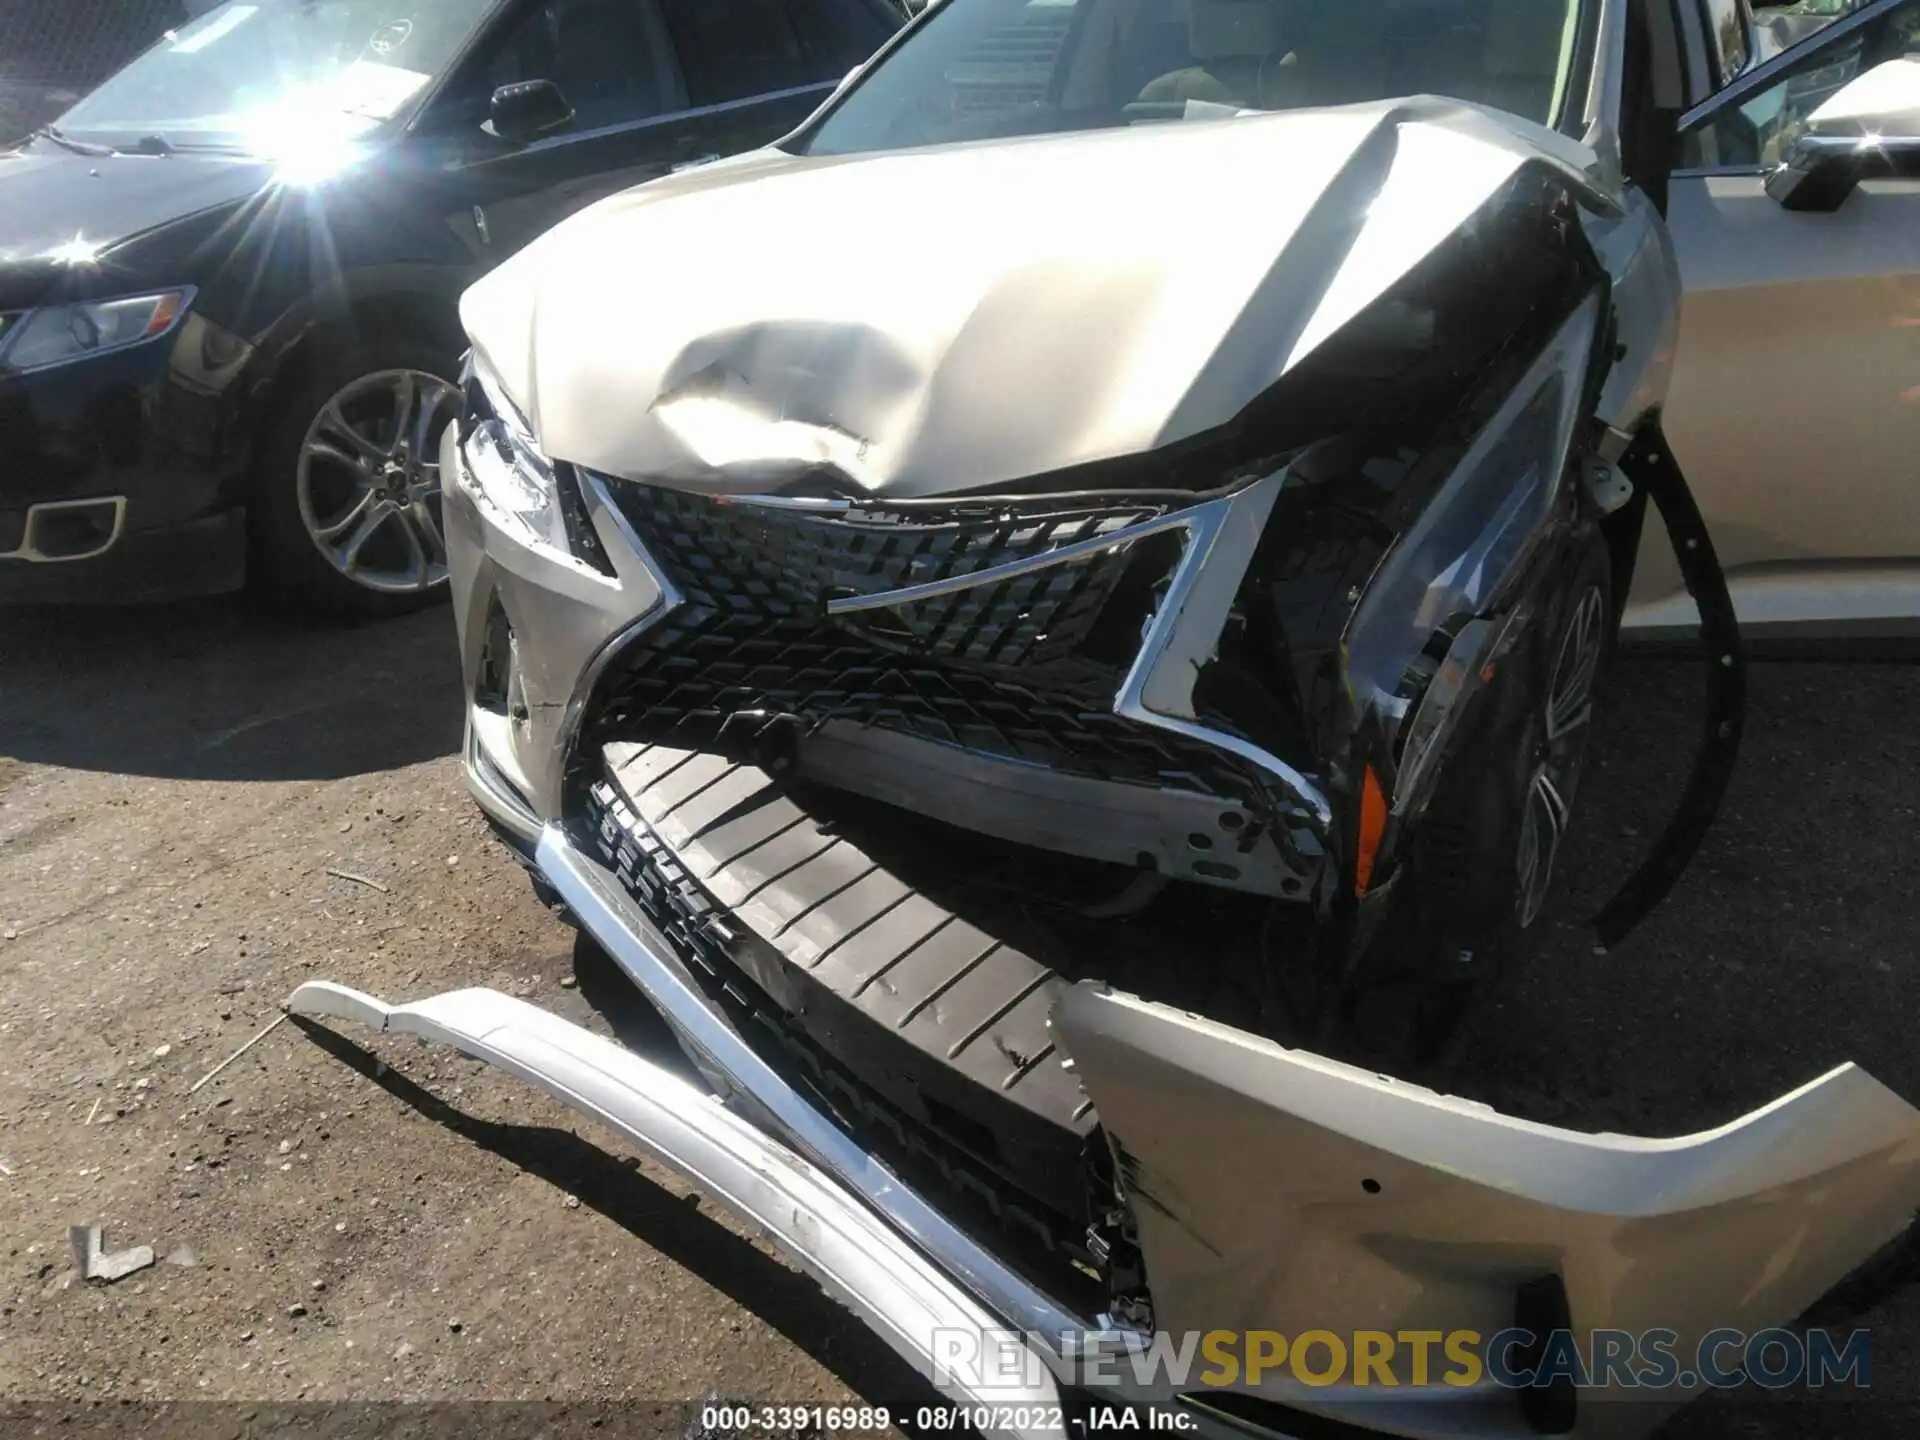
x: 368, y: 482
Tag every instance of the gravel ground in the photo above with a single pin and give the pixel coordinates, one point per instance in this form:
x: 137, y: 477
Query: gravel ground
x: 393, y: 1222
x: 176, y: 786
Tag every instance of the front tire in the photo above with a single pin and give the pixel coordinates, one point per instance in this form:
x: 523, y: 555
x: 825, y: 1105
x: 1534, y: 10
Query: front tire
x: 345, y: 509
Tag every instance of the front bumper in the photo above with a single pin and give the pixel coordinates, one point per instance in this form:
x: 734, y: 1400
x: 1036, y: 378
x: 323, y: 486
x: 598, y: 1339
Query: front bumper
x: 122, y: 476
x: 759, y: 1146
x: 559, y: 623
x: 1745, y: 1225
x: 819, y: 1223
x: 207, y: 556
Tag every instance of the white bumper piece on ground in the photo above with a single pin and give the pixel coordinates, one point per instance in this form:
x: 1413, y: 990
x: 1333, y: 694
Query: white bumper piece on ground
x: 839, y: 1241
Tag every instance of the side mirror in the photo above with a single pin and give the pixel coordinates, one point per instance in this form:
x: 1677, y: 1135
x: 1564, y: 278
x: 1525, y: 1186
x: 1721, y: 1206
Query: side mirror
x: 1870, y: 129
x: 523, y: 112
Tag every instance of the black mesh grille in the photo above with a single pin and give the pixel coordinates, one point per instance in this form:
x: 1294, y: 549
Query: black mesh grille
x: 1011, y: 669
x: 779, y: 563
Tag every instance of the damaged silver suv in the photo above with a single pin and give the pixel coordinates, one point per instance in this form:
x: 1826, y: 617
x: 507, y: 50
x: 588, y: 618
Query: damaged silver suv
x: 1078, y: 575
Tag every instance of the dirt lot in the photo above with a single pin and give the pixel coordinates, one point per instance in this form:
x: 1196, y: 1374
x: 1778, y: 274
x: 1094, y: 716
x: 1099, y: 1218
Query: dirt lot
x: 176, y: 787
x: 176, y: 784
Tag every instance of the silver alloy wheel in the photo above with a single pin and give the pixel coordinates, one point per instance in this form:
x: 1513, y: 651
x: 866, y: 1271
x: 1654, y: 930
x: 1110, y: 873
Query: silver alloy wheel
x: 369, y: 480
x: 1569, y: 709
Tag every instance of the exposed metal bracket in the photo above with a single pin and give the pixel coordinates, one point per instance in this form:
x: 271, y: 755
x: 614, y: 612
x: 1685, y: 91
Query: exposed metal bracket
x: 1614, y: 443
x: 1607, y: 487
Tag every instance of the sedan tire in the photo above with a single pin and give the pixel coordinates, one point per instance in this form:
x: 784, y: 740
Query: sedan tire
x: 346, y: 498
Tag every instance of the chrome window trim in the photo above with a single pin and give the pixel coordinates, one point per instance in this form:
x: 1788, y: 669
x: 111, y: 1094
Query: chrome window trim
x: 654, y: 122
x: 1760, y: 172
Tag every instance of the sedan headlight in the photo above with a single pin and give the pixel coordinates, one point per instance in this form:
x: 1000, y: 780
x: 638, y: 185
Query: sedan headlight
x: 504, y: 467
x: 60, y: 334
x: 1459, y: 558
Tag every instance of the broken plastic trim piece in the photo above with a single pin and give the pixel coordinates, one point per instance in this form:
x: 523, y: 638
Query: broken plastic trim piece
x: 851, y: 1251
x: 1651, y: 464
x: 1070, y: 814
x: 1185, y: 635
x: 93, y: 1261
x: 1278, y: 1188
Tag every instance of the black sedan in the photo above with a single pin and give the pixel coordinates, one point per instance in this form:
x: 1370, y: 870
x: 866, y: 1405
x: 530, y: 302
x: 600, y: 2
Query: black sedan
x: 229, y: 276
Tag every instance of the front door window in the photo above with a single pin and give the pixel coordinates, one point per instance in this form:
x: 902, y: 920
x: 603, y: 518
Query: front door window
x: 604, y: 55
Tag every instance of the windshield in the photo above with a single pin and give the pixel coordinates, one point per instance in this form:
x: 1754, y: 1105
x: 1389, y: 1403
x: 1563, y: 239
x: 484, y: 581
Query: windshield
x: 259, y: 74
x: 978, y: 69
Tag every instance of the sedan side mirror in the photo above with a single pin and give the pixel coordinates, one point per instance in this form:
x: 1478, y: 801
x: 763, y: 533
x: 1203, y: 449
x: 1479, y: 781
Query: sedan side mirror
x: 521, y: 113
x: 1870, y: 129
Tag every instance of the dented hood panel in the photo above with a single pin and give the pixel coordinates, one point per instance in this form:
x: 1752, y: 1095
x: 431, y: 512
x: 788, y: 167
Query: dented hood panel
x: 959, y: 317
x: 1279, y: 1190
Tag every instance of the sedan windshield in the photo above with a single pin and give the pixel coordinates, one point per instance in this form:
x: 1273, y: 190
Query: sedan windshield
x: 979, y: 69
x: 259, y: 74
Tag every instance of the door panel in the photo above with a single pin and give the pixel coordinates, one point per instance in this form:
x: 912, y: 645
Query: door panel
x: 1795, y: 404
x: 517, y: 196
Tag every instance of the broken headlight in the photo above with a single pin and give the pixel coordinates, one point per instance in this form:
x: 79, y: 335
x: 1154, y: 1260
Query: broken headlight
x: 1458, y: 560
x: 503, y: 466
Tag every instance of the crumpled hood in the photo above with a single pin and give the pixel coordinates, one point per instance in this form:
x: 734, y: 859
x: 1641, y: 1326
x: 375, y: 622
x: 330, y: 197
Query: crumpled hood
x: 966, y: 316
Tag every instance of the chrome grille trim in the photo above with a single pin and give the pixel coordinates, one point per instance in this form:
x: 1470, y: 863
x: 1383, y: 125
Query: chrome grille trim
x: 1220, y: 536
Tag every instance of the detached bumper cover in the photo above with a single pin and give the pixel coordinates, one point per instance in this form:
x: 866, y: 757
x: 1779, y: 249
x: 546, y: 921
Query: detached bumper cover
x: 1356, y: 1202
x: 1348, y: 1200
x: 843, y: 1244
